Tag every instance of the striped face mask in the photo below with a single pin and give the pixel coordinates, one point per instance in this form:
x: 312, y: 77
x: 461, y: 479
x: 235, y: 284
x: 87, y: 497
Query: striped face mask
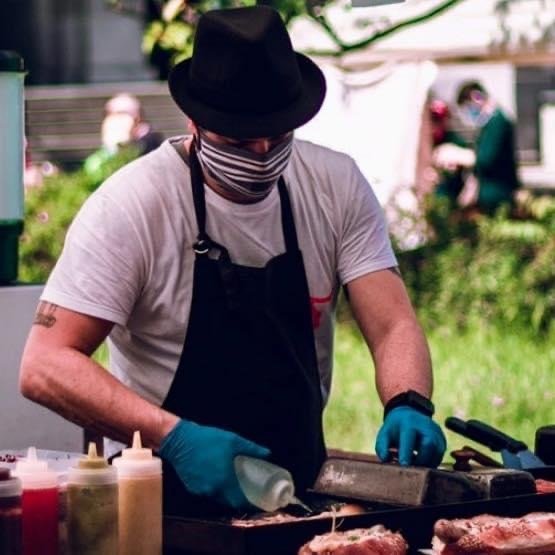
x: 251, y: 174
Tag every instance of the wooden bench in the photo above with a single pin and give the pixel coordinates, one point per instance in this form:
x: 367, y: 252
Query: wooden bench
x: 63, y: 122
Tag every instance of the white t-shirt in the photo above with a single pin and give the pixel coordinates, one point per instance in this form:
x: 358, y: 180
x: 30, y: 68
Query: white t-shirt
x: 128, y: 254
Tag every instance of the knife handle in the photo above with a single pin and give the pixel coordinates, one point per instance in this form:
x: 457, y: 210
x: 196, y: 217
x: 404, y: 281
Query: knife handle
x: 458, y: 425
x: 494, y: 438
x: 481, y: 458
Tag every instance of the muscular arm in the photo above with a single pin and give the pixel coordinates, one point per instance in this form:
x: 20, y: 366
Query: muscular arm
x: 57, y: 372
x: 386, y: 318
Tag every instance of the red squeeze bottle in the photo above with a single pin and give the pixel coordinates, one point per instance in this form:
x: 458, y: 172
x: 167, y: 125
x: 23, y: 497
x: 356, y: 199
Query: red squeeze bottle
x: 40, y: 505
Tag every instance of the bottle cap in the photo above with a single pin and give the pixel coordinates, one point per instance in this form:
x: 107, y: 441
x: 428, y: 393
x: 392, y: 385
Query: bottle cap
x: 137, y: 461
x: 34, y: 473
x: 92, y: 470
x: 9, y: 485
x: 283, y: 492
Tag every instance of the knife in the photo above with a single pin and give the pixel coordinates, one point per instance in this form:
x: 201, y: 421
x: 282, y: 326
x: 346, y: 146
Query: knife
x: 509, y: 447
x: 514, y: 453
x: 460, y: 426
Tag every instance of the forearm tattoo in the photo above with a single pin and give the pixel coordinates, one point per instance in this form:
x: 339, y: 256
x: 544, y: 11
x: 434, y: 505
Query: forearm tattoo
x: 45, y: 315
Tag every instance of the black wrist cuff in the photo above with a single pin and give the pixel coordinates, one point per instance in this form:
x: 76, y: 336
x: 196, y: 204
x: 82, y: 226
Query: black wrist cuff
x: 411, y: 399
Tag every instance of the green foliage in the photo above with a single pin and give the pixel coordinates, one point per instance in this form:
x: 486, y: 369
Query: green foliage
x: 169, y: 38
x: 175, y: 38
x: 49, y: 210
x: 502, y: 376
x: 493, y: 270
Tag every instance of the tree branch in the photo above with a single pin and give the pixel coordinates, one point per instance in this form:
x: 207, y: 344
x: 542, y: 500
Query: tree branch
x: 324, y: 23
x: 344, y: 47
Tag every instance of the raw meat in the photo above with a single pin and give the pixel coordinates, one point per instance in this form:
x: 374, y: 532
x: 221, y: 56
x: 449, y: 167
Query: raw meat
x: 361, y: 541
x: 545, y: 486
x: 485, y: 534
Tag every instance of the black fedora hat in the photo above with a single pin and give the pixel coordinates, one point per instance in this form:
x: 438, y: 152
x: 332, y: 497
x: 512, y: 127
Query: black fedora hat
x: 244, y: 79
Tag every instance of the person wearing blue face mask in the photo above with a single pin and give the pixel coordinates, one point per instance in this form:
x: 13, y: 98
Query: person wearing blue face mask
x: 494, y: 163
x: 213, y: 265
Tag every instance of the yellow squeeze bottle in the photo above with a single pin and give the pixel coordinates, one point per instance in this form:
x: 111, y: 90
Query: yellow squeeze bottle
x: 92, y: 506
x: 140, y: 500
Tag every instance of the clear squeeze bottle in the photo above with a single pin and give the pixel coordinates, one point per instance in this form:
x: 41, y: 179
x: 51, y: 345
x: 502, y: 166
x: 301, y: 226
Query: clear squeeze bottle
x: 10, y: 513
x: 40, y: 505
x: 92, y: 506
x: 267, y: 486
x: 140, y: 500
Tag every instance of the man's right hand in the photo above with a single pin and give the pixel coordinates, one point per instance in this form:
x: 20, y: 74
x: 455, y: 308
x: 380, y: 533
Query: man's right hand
x: 203, y: 458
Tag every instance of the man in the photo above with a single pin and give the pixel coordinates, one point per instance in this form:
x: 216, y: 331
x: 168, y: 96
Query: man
x: 213, y: 266
x: 494, y: 161
x: 123, y: 126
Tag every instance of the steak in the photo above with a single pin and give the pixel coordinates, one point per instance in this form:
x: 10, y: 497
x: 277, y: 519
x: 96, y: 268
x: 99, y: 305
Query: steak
x: 361, y: 541
x: 533, y: 534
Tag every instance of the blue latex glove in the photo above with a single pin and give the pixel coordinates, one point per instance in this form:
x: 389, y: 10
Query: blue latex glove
x: 409, y: 431
x: 203, y: 458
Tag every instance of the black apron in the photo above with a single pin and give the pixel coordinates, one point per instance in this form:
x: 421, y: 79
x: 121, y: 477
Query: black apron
x: 249, y: 363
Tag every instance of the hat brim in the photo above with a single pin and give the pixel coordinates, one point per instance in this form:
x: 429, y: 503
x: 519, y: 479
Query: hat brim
x: 248, y: 125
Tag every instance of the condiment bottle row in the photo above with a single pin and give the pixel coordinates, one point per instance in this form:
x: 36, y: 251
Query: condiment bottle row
x: 105, y: 509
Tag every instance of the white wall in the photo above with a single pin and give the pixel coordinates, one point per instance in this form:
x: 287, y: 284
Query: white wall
x: 547, y: 135
x: 374, y: 116
x: 23, y: 423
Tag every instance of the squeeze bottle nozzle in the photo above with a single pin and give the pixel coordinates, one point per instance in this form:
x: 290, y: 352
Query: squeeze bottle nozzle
x: 137, y: 451
x: 92, y: 470
x: 265, y: 485
x: 92, y: 460
x: 137, y: 460
x: 34, y: 473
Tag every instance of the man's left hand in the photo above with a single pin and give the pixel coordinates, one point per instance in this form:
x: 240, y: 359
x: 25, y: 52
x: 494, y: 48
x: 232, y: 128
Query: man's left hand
x: 411, y: 432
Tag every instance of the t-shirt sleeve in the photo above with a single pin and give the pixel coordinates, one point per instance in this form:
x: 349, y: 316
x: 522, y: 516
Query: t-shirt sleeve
x: 101, y: 268
x: 364, y: 244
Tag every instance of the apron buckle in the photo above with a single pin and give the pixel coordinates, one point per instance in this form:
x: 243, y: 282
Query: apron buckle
x: 201, y: 246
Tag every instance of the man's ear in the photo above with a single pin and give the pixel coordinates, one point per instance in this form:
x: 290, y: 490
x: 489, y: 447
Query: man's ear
x: 192, y: 127
x: 195, y: 132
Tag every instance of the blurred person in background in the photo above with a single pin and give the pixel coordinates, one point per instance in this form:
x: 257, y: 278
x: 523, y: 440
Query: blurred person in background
x: 123, y: 126
x: 35, y: 172
x: 492, y: 161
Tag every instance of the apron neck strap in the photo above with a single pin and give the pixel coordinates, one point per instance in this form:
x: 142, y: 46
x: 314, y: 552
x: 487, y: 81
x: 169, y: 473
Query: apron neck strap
x: 287, y: 220
x: 203, y: 243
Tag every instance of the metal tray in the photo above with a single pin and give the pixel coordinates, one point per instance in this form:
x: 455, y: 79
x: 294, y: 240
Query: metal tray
x: 184, y: 536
